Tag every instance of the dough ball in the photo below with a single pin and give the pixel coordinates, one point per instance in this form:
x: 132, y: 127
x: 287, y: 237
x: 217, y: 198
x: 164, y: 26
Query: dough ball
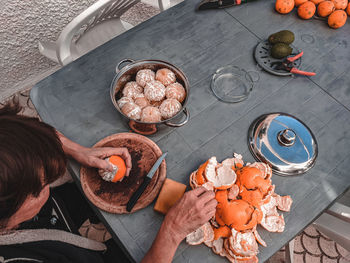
x: 143, y: 76
x: 123, y: 100
x: 169, y: 108
x: 132, y: 110
x: 154, y: 91
x: 175, y: 91
x: 142, y: 102
x: 151, y: 114
x: 166, y: 76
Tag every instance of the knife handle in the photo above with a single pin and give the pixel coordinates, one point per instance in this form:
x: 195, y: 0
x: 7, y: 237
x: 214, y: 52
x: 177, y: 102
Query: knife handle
x: 130, y: 205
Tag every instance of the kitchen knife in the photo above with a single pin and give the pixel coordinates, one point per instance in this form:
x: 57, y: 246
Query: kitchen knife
x: 144, y: 184
x: 213, y: 4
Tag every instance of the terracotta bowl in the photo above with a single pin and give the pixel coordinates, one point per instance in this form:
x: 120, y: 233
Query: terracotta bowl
x: 113, y: 197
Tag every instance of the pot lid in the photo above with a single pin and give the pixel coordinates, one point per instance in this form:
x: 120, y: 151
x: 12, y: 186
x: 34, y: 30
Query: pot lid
x: 283, y: 142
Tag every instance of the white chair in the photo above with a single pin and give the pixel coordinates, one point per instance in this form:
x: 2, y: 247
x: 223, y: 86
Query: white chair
x: 96, y: 25
x: 334, y: 223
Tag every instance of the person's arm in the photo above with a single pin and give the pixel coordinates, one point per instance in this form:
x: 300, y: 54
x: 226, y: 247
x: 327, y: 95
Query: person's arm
x: 193, y: 210
x: 94, y: 157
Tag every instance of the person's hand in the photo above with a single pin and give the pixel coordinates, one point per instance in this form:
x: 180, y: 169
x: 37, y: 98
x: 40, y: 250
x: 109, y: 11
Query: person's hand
x: 193, y: 210
x: 94, y: 157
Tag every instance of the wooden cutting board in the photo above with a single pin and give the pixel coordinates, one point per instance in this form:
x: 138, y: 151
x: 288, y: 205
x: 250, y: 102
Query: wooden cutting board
x: 113, y: 197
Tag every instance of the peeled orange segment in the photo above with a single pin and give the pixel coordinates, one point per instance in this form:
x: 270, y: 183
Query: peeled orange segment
x: 283, y: 202
x: 264, y: 168
x: 274, y: 223
x: 258, y: 238
x: 222, y: 176
x: 196, y: 237
x: 233, y: 192
x: 244, y: 244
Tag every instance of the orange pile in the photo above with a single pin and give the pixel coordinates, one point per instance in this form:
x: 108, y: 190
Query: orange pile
x: 246, y: 198
x: 336, y: 10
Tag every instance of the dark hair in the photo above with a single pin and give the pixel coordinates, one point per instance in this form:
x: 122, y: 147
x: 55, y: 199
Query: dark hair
x: 31, y: 156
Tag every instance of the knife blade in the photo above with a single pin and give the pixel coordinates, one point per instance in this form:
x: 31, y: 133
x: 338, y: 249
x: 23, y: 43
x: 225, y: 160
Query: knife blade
x: 146, y: 181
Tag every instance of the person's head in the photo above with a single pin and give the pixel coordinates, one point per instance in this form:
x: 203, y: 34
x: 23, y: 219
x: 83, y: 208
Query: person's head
x: 31, y: 157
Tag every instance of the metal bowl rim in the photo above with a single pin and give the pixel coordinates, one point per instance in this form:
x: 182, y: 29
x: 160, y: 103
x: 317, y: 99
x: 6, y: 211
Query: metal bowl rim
x: 142, y: 62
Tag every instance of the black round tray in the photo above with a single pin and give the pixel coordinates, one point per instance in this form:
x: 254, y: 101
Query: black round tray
x: 265, y: 61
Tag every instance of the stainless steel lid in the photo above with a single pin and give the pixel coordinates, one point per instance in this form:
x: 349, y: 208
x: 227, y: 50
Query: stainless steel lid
x: 283, y: 142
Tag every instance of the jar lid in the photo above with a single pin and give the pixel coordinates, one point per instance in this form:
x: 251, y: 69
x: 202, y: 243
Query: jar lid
x: 284, y: 142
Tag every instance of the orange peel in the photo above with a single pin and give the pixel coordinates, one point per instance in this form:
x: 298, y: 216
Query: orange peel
x: 222, y: 176
x: 200, y: 174
x: 237, y: 214
x: 246, y: 197
x: 223, y: 231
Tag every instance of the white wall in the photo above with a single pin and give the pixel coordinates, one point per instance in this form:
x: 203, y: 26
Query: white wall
x: 22, y: 24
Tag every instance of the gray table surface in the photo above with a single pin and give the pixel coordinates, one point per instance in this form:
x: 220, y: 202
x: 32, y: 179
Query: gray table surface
x: 76, y: 101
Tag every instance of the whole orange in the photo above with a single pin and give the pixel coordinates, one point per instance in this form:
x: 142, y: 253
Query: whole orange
x: 337, y: 19
x: 325, y: 8
x: 120, y: 163
x: 348, y: 9
x: 284, y: 6
x: 307, y: 10
x: 340, y: 4
x: 316, y: 2
x: 299, y: 2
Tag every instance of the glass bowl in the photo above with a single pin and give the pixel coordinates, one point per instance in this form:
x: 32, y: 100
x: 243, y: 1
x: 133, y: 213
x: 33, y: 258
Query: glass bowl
x: 233, y: 84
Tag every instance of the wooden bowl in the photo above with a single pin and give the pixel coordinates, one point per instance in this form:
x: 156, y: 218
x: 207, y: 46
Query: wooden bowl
x: 113, y: 197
